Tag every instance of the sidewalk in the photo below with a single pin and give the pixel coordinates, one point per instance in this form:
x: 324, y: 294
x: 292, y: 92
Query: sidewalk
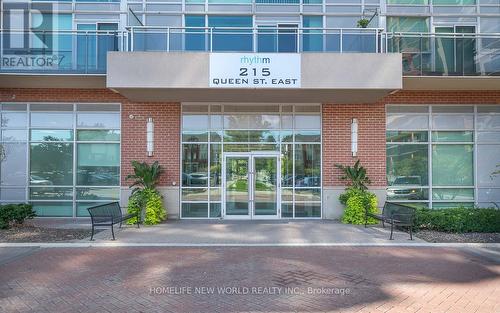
x: 255, y: 232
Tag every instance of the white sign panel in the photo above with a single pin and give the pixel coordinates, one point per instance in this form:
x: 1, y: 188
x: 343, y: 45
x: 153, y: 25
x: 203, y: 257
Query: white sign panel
x: 254, y: 70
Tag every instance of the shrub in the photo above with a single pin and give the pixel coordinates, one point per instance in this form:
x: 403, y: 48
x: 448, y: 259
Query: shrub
x: 355, y: 176
x: 15, y: 214
x: 363, y: 23
x: 356, y: 203
x: 151, y: 201
x: 145, y: 199
x: 350, y: 192
x: 459, y: 220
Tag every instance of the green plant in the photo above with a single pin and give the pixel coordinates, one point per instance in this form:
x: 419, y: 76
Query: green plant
x: 349, y: 192
x: 356, y: 205
x: 355, y: 176
x: 155, y: 212
x: 15, y: 214
x: 363, y: 23
x: 149, y: 201
x: 458, y: 220
x: 145, y: 176
x: 145, y: 200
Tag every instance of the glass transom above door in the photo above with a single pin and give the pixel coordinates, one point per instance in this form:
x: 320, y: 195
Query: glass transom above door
x: 251, y: 185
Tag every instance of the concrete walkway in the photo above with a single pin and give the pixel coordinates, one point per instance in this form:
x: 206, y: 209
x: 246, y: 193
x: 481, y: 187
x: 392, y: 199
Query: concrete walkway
x: 255, y: 232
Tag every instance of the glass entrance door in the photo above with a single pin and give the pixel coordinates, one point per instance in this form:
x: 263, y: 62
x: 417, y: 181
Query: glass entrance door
x: 251, y: 185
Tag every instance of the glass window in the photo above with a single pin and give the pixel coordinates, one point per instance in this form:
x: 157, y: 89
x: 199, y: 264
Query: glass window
x: 97, y: 194
x: 14, y: 119
x: 264, y: 122
x: 287, y: 165
x: 81, y: 208
x: 195, y: 136
x: 407, y: 24
x: 412, y: 2
x: 215, y: 165
x: 14, y: 135
x: 455, y: 121
x: 98, y: 120
x: 447, y: 136
x: 196, y: 39
x: 13, y: 166
x: 239, y: 38
x: 216, y: 122
x: 98, y: 164
x: 98, y: 135
x: 446, y: 205
x: 286, y: 209
x: 452, y: 165
x: 251, y: 136
x: 407, y: 122
x: 489, y: 195
x: 313, y: 37
x: 453, y: 2
x: 215, y: 194
x: 307, y: 122
x: 287, y: 121
x: 307, y: 165
x: 51, y: 163
x: 195, y: 122
x: 407, y: 136
x: 308, y: 194
x: 453, y: 194
x: 51, y: 193
x: 407, y: 164
x: 195, y: 165
x: 51, y: 135
x: 49, y: 170
x: 215, y: 210
x: 308, y: 136
x: 488, y: 161
x: 488, y: 122
x: 53, y: 208
x: 195, y: 210
x: 309, y: 209
x: 15, y: 194
x: 412, y: 191
x: 194, y: 194
x: 51, y: 120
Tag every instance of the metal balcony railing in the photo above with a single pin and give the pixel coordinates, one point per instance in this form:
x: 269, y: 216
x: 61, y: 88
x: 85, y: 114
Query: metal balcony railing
x: 446, y: 54
x: 84, y: 52
x: 261, y: 39
x: 58, y: 52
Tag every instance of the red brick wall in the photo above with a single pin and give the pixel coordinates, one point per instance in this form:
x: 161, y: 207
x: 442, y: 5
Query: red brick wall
x: 337, y: 140
x: 166, y: 117
x: 371, y: 132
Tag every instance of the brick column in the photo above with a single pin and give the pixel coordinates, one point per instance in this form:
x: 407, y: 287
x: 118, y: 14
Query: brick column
x: 337, y: 141
x: 167, y: 121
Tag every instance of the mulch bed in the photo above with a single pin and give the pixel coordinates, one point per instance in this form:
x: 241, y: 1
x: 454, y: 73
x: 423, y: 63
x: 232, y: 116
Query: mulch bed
x: 437, y: 236
x: 30, y: 233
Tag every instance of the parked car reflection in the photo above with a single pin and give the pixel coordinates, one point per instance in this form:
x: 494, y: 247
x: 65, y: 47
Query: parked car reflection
x: 308, y: 181
x: 407, y: 188
x: 194, y: 179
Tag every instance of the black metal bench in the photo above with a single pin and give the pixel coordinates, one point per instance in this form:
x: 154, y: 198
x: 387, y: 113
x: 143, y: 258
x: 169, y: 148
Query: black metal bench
x: 108, y: 214
x: 395, y: 214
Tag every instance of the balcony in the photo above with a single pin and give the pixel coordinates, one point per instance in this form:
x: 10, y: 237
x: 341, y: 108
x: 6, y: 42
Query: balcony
x: 84, y: 52
x: 58, y: 52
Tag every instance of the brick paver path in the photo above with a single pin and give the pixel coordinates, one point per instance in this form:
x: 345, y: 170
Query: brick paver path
x: 278, y: 279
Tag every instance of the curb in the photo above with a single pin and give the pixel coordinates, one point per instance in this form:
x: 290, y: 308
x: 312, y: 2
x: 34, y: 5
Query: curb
x: 200, y: 245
